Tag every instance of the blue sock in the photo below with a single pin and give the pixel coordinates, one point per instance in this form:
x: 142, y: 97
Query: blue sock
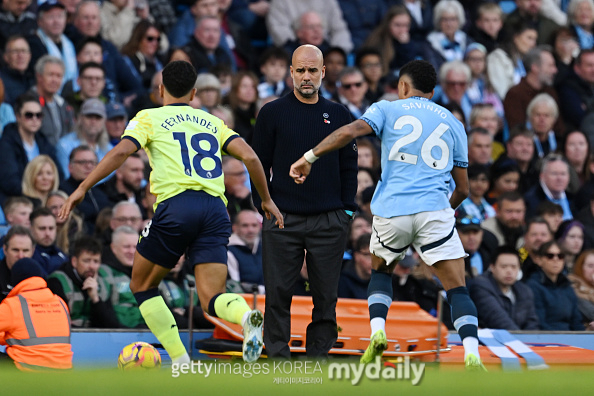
x: 379, y: 294
x: 464, y: 313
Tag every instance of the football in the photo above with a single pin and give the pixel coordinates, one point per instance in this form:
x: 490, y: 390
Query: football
x: 139, y: 355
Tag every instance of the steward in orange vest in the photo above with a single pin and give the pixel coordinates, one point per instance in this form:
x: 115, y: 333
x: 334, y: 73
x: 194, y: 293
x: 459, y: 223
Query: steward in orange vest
x: 34, y: 322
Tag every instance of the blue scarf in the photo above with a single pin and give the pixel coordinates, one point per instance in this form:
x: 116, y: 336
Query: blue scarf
x: 586, y: 39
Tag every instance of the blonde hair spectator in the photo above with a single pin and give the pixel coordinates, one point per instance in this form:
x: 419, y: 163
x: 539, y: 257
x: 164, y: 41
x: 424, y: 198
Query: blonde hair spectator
x: 40, y: 178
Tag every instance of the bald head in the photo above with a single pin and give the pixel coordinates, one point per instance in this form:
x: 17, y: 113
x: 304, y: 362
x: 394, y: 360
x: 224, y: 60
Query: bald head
x: 307, y: 71
x: 307, y: 51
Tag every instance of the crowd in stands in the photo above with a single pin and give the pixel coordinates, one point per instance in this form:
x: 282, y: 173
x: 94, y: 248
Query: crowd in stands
x: 518, y: 74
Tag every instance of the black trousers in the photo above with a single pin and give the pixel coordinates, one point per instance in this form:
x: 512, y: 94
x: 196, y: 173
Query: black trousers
x: 323, y: 236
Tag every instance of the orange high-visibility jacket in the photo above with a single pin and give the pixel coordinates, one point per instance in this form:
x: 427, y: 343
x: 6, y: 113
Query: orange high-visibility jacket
x: 35, y: 327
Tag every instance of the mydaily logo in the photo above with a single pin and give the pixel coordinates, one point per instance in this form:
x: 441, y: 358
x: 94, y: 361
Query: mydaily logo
x: 400, y: 370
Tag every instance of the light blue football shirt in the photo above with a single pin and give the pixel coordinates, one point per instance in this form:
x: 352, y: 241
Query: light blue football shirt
x: 421, y: 143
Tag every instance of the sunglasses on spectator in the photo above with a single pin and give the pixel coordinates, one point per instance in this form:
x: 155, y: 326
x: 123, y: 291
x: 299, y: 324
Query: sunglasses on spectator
x: 29, y: 115
x: 551, y: 256
x: 349, y: 86
x: 468, y: 220
x: 150, y: 39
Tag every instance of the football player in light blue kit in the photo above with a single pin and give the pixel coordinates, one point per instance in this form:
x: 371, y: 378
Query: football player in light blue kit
x: 423, y: 144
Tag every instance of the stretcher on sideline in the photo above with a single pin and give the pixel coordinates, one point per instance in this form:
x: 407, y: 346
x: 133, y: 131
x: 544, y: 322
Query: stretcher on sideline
x: 411, y: 331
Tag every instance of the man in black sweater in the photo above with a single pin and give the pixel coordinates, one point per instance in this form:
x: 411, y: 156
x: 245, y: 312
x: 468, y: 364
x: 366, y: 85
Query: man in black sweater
x: 317, y: 213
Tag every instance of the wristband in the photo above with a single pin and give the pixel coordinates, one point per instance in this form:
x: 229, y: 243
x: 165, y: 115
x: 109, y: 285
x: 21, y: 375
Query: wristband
x: 310, y: 156
x: 350, y: 213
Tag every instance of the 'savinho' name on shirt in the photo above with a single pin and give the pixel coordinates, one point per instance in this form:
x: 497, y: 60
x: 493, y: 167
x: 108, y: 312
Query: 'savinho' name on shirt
x: 425, y: 105
x: 170, y: 122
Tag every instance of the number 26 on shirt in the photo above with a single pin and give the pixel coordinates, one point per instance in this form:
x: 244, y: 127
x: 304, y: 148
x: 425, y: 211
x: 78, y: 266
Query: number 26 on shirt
x: 201, y: 154
x: 433, y: 140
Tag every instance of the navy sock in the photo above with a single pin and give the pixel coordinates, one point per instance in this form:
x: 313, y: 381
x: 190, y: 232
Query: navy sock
x: 211, y: 306
x: 379, y: 294
x: 146, y: 295
x: 464, y: 314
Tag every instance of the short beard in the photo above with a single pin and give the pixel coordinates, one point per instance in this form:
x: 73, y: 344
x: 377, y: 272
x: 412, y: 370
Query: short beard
x: 131, y: 187
x: 308, y: 95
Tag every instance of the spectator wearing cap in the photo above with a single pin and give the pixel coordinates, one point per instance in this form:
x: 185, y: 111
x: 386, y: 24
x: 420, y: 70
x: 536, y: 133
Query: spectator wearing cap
x: 90, y: 131
x: 115, y: 121
x: 58, y: 115
x: 501, y: 300
x: 90, y: 82
x: 208, y: 90
x: 36, y: 339
x: 355, y: 276
x: 50, y: 39
x: 540, y: 67
x: 471, y: 234
x: 20, y: 143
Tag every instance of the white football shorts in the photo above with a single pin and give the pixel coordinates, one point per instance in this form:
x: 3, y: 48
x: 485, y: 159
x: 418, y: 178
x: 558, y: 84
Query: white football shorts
x: 432, y: 234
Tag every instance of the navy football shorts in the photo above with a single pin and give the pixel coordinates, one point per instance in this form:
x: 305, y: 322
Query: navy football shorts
x: 192, y: 221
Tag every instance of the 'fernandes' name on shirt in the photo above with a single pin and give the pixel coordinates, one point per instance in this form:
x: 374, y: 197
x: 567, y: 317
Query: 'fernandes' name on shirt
x: 170, y: 122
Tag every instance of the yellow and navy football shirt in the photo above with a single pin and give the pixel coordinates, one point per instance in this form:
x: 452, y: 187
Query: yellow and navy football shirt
x: 184, y: 148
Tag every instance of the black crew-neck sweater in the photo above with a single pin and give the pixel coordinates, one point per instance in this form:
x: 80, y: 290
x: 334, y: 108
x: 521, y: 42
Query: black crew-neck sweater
x: 285, y: 129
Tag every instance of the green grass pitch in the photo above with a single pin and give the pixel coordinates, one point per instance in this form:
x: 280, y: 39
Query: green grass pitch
x: 439, y: 381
